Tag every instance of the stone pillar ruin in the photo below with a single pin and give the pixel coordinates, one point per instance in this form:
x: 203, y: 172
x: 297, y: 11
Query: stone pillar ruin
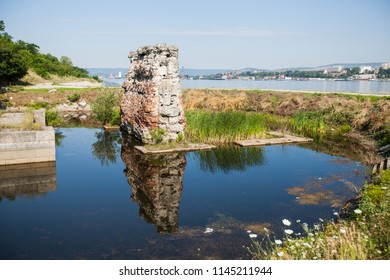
x: 151, y: 108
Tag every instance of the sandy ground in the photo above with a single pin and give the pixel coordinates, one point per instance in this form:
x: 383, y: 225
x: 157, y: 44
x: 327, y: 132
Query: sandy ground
x: 83, y: 84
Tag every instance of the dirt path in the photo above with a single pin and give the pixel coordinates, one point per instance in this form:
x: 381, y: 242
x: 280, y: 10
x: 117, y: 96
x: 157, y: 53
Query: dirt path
x: 82, y: 84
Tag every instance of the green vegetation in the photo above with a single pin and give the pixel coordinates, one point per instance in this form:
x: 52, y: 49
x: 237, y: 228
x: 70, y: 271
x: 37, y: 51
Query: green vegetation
x: 17, y: 57
x: 180, y: 138
x: 104, y: 107
x: 384, y: 73
x: 74, y: 97
x: 38, y: 105
x: 157, y: 135
x: 364, y: 235
x: 223, y: 127
x: 53, y: 118
x: 116, y: 116
x: 309, y: 122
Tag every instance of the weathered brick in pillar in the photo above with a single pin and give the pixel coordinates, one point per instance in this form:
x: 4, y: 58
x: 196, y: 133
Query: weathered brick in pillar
x: 152, y: 98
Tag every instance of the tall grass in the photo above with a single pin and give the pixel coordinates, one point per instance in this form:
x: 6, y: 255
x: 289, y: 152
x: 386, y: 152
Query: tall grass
x: 223, y: 127
x: 309, y: 122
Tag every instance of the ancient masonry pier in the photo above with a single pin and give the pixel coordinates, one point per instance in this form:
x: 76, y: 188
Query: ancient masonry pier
x: 151, y: 108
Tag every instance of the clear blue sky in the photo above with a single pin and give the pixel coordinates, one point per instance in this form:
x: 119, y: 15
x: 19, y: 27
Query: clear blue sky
x: 210, y: 34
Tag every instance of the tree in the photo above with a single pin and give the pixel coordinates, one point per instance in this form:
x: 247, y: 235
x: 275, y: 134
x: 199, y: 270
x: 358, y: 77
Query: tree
x: 13, y: 66
x: 103, y: 107
x: 66, y: 61
x: 4, y: 34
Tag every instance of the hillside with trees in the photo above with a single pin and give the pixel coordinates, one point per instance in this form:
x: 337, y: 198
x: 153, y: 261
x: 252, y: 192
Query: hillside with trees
x: 18, y: 57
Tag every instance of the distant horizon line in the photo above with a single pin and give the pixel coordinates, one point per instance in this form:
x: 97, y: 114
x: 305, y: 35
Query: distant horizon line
x: 234, y: 69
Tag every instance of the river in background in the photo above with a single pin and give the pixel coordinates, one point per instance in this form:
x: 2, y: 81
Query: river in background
x: 104, y: 200
x: 379, y: 87
x: 364, y: 86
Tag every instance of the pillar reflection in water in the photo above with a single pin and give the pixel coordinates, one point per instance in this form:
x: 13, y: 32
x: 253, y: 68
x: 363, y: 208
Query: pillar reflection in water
x: 33, y: 179
x: 156, y: 184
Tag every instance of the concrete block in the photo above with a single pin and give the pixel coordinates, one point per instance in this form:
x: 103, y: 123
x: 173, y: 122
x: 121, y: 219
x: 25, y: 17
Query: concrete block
x: 44, y: 153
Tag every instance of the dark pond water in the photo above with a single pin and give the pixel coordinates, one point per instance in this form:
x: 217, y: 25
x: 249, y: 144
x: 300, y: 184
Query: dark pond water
x: 103, y: 200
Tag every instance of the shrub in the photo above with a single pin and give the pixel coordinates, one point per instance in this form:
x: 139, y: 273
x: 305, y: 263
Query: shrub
x: 74, y: 97
x: 96, y: 78
x: 157, y: 135
x: 180, y: 138
x: 53, y: 118
x: 103, y: 107
x: 116, y: 116
x: 38, y: 105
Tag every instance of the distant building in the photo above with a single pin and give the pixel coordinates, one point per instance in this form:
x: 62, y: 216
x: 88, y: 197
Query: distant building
x: 365, y: 69
x: 332, y: 69
x: 386, y: 65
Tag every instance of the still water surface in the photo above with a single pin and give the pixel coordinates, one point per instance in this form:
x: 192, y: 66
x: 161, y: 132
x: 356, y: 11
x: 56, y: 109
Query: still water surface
x: 103, y: 200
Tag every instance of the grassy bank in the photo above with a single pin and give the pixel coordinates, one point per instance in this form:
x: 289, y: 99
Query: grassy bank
x: 364, y: 235
x: 309, y: 114
x: 22, y: 97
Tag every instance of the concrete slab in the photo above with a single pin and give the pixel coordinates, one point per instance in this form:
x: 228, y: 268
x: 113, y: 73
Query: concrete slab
x: 280, y: 139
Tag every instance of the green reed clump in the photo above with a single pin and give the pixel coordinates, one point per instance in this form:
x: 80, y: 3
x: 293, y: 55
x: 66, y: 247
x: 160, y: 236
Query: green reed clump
x: 309, y: 122
x: 223, y: 127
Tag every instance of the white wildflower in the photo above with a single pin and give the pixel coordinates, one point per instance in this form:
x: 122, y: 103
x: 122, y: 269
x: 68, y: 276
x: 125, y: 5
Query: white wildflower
x: 321, y: 220
x: 286, y: 222
x: 279, y: 242
x: 280, y: 254
x: 357, y: 211
x: 208, y: 230
x: 335, y: 237
x: 343, y: 231
x: 253, y: 235
x: 248, y: 231
x: 288, y: 231
x: 335, y: 213
x: 298, y: 221
x: 384, y: 188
